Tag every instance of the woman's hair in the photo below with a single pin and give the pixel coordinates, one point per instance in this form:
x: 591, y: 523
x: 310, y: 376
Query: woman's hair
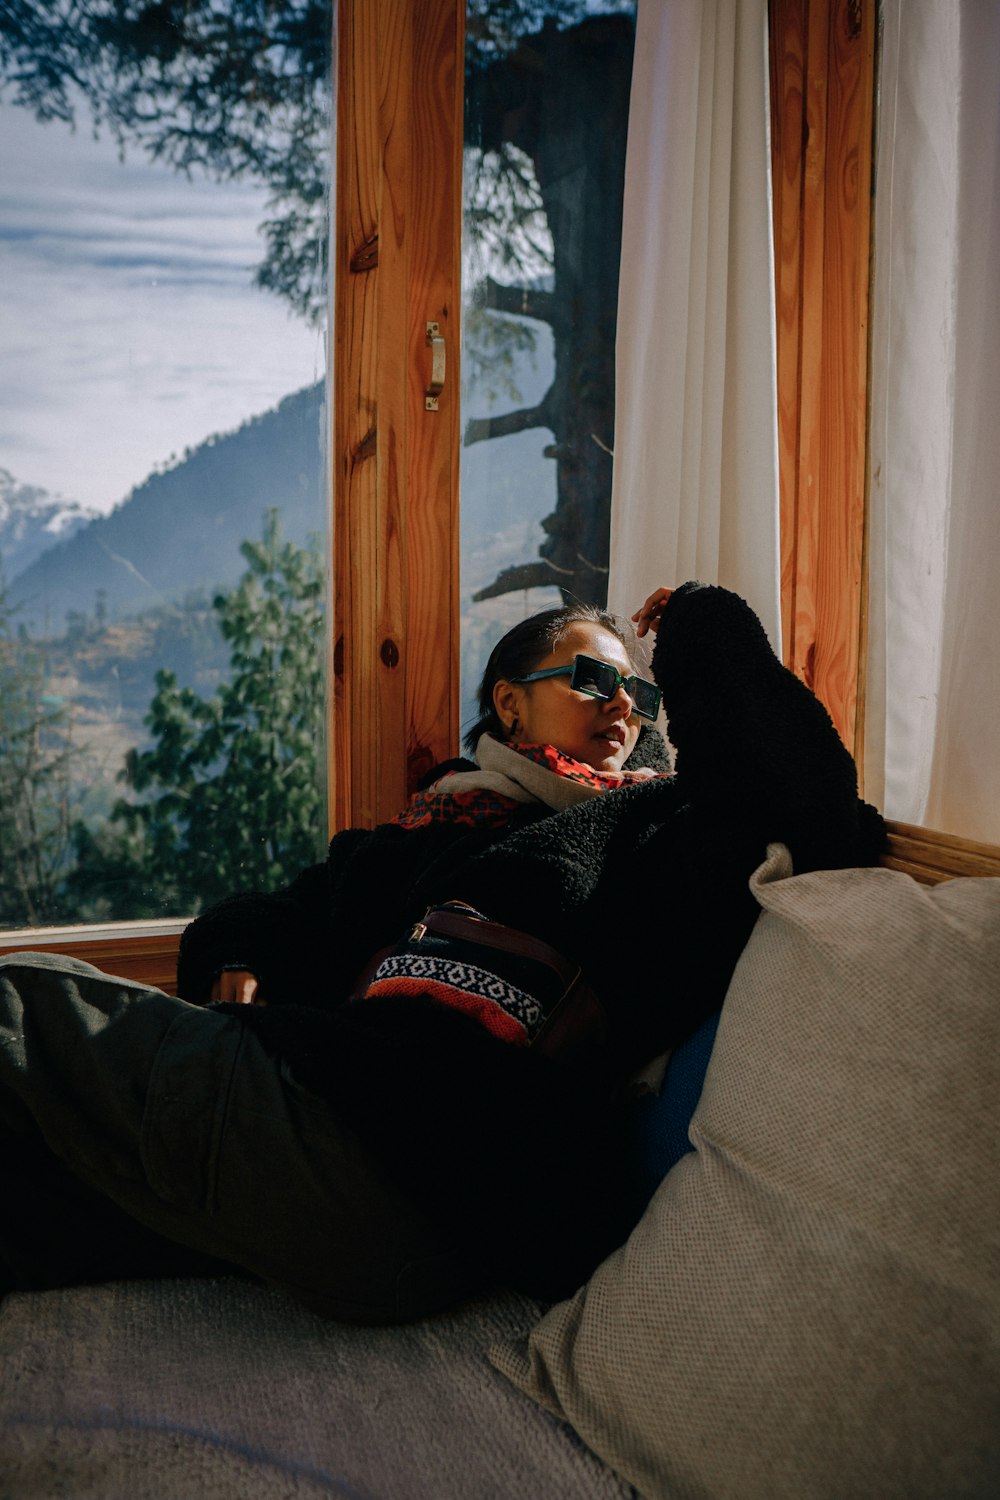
x: 520, y: 651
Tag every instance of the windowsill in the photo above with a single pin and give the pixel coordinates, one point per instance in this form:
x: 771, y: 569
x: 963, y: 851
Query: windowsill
x: 930, y: 856
x: 143, y: 952
x: 111, y: 932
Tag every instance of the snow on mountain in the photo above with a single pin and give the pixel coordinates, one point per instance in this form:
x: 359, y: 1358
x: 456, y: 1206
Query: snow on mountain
x: 31, y: 521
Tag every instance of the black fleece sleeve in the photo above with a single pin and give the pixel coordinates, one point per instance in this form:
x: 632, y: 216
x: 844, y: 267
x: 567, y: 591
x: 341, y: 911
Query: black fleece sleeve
x: 284, y: 937
x: 755, y: 748
x: 308, y: 943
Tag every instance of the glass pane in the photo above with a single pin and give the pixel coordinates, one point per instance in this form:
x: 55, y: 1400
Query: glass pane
x: 547, y: 90
x: 163, y: 197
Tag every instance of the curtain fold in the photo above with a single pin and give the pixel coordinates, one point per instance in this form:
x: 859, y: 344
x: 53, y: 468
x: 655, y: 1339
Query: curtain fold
x: 695, y: 490
x: 932, y: 726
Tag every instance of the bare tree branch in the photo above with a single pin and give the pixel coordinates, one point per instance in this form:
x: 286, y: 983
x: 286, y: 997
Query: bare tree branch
x: 481, y: 429
x: 531, y: 575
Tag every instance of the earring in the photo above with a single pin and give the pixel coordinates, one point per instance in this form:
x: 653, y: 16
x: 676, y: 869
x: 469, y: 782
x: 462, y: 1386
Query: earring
x: 515, y: 726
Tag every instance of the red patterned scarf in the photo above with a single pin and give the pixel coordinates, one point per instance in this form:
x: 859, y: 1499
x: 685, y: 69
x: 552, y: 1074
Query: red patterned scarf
x: 510, y: 776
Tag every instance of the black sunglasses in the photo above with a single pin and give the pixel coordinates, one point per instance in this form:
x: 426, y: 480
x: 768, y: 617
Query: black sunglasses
x: 599, y: 679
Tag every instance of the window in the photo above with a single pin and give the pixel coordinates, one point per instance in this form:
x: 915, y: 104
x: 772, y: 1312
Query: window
x: 546, y: 118
x: 162, y: 466
x: 401, y: 152
x: 397, y: 596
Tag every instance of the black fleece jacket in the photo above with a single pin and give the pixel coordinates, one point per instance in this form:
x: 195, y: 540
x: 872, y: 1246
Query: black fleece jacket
x: 647, y: 887
x: 308, y: 943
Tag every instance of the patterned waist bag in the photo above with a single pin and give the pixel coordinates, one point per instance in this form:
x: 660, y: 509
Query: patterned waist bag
x: 517, y: 987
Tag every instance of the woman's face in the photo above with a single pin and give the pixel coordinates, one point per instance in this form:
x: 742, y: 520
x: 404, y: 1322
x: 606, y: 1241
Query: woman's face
x: 549, y: 712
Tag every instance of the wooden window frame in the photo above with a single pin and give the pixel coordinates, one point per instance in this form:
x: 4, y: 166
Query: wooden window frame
x: 145, y: 952
x: 394, y: 709
x: 823, y: 69
x: 822, y: 99
x: 393, y: 651
x: 396, y: 247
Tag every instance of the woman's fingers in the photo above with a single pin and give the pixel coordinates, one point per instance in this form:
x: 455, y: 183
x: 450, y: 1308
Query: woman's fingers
x: 648, y: 617
x: 249, y: 990
x: 237, y: 987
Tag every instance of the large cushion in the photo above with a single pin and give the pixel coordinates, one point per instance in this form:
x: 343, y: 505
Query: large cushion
x: 810, y: 1306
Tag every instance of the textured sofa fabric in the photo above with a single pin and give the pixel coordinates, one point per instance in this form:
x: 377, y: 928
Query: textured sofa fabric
x: 224, y: 1390
x: 810, y: 1306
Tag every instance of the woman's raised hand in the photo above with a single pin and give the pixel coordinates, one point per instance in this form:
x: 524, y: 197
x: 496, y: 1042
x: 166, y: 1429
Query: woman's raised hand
x: 648, y: 617
x: 238, y: 987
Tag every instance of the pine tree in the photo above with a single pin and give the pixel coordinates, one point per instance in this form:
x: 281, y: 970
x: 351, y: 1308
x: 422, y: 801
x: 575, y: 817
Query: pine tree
x: 232, y: 793
x: 36, y: 754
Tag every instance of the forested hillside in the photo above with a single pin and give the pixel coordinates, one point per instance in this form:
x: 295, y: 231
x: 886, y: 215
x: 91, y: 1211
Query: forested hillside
x: 180, y: 531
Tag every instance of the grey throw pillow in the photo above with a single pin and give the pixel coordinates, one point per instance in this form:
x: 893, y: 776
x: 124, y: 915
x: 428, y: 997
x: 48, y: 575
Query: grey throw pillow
x: 810, y: 1306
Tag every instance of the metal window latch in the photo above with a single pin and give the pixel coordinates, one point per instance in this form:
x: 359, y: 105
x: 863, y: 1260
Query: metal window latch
x: 435, y: 339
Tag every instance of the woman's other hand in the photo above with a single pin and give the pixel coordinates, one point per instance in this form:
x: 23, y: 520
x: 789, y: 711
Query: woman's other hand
x: 648, y: 617
x: 237, y: 987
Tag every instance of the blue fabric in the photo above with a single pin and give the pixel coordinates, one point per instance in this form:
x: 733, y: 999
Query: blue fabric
x: 656, y: 1125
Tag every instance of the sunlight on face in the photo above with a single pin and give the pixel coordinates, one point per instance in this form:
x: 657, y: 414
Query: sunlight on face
x: 602, y: 735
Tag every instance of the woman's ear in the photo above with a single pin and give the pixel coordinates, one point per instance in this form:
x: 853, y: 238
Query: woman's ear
x: 507, y: 702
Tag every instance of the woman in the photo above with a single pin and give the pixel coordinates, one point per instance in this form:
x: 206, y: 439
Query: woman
x: 405, y: 1090
x: 375, y: 883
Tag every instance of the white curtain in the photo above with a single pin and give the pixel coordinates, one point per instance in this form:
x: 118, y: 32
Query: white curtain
x: 932, y: 752
x: 695, y: 490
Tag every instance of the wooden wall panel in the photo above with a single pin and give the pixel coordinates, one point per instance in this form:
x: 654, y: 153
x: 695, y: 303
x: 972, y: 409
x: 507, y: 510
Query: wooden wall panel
x: 395, y: 569
x: 822, y: 76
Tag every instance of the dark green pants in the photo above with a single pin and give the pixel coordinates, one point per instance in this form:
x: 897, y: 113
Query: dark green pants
x: 140, y: 1135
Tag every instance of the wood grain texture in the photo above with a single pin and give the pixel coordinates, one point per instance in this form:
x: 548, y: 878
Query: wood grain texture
x: 843, y: 458
x: 822, y: 74
x: 930, y: 856
x: 395, y: 548
x: 151, y: 959
x: 432, y: 580
x: 788, y: 51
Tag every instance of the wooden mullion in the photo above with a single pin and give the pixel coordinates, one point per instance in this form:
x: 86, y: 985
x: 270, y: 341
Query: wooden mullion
x: 382, y: 778
x: 822, y: 101
x: 808, y: 457
x: 432, y: 707
x: 357, y: 334
x: 787, y: 54
x: 846, y: 287
x: 395, y: 579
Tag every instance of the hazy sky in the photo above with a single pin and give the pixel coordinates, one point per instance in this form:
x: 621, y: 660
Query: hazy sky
x: 129, y: 324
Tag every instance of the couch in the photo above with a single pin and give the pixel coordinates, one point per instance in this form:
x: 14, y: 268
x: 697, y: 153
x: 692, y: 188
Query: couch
x: 809, y: 1307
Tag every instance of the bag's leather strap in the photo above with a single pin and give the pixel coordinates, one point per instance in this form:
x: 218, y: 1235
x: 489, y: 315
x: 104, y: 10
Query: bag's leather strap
x: 576, y: 1023
x: 489, y: 934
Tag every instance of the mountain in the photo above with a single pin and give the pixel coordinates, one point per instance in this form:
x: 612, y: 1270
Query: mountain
x: 180, y: 530
x: 31, y: 521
